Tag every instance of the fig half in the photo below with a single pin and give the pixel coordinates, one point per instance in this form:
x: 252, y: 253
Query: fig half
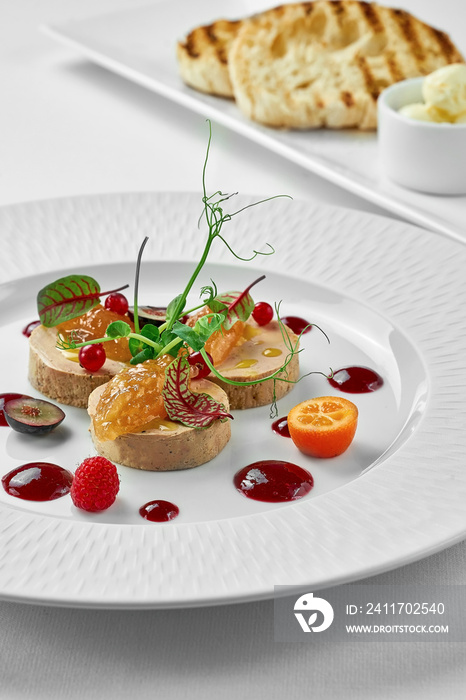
x: 156, y: 315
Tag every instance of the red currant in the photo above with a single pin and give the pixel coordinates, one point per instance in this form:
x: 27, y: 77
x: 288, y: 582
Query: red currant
x: 117, y: 302
x: 262, y: 313
x: 196, y: 360
x: 92, y: 357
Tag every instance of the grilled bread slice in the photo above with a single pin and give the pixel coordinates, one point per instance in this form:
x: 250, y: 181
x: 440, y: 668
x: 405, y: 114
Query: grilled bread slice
x: 323, y: 63
x: 203, y: 57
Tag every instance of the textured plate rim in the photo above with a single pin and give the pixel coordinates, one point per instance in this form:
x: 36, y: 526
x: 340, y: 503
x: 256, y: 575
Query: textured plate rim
x: 424, y: 512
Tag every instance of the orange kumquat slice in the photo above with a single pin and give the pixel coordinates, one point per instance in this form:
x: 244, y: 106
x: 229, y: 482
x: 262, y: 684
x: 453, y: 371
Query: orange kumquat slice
x: 324, y: 426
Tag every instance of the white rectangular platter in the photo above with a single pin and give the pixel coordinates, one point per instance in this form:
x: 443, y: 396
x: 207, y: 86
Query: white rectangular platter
x: 139, y: 44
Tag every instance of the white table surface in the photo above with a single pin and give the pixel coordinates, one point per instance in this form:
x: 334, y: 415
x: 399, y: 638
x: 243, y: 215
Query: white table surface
x: 69, y: 127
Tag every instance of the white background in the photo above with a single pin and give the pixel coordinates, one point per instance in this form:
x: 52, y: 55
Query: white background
x: 68, y: 127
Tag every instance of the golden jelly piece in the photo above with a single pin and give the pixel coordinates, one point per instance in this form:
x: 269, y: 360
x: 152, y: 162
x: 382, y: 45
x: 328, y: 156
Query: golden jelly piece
x: 131, y: 399
x: 93, y: 325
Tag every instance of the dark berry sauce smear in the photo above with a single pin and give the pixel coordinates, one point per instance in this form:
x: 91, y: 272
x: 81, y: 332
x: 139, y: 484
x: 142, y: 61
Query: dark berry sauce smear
x: 273, y: 481
x: 159, y: 511
x: 280, y: 426
x: 297, y: 325
x: 27, y: 330
x: 4, y: 398
x: 356, y: 380
x: 38, y: 481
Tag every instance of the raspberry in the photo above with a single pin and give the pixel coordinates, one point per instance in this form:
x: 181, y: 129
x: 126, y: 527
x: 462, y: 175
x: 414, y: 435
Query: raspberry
x: 95, y: 484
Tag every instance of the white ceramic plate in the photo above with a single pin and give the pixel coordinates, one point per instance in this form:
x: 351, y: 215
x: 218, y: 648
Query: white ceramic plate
x: 140, y: 45
x: 389, y: 296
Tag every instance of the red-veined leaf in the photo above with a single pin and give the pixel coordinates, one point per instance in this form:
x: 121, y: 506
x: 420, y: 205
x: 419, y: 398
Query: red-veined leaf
x: 182, y: 404
x: 67, y: 298
x: 239, y: 305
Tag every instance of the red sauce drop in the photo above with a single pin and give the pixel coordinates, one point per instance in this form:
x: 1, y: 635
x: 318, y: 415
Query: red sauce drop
x: 356, y: 380
x: 297, y: 324
x: 273, y: 481
x: 38, y: 481
x: 280, y: 426
x: 27, y: 330
x: 4, y: 398
x: 159, y: 511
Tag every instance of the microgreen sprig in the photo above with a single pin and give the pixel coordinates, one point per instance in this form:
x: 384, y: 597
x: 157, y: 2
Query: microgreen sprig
x: 215, y: 218
x: 145, y: 344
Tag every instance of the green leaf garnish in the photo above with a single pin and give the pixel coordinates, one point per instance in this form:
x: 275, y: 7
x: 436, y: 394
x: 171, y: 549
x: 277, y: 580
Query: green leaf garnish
x: 150, y: 331
x: 67, y: 298
x: 221, y: 302
x: 139, y: 347
x: 197, y: 336
x: 146, y: 354
x: 170, y: 343
x: 174, y: 307
x: 118, y: 329
x: 185, y: 406
x: 137, y: 342
x: 208, y: 324
x: 189, y: 335
x: 238, y: 305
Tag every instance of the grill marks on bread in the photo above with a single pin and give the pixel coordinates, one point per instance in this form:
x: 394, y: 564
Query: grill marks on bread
x: 370, y: 13
x: 375, y: 25
x: 407, y: 27
x: 320, y: 63
x: 203, y: 57
x: 446, y: 46
x: 217, y: 43
x: 423, y: 43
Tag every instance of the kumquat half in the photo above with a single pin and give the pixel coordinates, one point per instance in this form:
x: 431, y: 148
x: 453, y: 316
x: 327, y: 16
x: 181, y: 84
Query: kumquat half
x: 324, y: 426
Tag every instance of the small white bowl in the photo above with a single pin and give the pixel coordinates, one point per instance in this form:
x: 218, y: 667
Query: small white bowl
x: 423, y: 156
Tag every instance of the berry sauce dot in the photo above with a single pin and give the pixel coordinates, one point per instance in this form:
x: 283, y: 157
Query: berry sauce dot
x: 159, y: 511
x: 38, y: 481
x: 273, y: 481
x: 280, y: 426
x: 356, y: 380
